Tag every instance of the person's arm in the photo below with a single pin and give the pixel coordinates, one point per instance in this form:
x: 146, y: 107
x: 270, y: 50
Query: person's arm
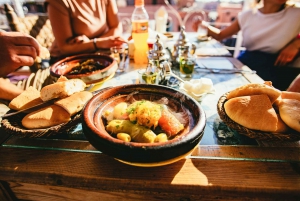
x: 62, y: 30
x: 16, y: 50
x: 8, y: 90
x: 215, y: 32
x: 223, y: 33
x: 114, y: 25
x: 289, y: 52
x: 113, y: 37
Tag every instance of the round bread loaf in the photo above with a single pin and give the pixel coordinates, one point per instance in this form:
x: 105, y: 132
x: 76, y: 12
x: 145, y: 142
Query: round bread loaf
x: 255, y: 89
x: 289, y: 110
x: 290, y: 95
x: 254, y: 112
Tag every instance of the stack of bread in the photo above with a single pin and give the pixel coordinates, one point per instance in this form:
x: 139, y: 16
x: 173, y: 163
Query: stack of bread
x: 69, y: 96
x: 264, y: 108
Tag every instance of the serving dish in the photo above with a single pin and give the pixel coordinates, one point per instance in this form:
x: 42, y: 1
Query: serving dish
x: 13, y: 126
x: 143, y: 154
x: 64, y: 67
x: 258, y: 135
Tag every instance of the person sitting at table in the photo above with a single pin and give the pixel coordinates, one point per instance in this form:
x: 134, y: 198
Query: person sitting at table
x: 16, y: 50
x: 271, y: 38
x: 83, y: 27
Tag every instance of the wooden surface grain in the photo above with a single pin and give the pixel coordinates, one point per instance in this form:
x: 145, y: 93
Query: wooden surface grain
x: 187, y: 177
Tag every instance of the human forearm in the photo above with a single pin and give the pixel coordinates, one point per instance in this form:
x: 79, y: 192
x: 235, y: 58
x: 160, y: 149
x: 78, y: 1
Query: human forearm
x: 224, y: 33
x: 288, y: 53
x: 113, y: 31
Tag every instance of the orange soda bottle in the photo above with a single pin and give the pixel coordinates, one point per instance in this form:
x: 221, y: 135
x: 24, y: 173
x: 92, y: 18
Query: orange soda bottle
x: 140, y: 33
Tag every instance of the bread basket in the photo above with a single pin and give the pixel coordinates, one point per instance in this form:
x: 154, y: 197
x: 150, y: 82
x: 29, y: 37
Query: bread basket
x: 13, y: 126
x: 258, y: 135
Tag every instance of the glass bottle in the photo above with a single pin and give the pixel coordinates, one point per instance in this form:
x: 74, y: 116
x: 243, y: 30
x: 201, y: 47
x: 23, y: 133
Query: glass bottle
x: 140, y: 34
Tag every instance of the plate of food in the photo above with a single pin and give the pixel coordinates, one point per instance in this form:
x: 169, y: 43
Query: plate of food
x: 54, y: 109
x: 143, y: 124
x: 262, y: 112
x: 90, y: 68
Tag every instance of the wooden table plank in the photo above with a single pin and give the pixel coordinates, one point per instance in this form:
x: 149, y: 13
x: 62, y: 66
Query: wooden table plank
x: 189, y: 177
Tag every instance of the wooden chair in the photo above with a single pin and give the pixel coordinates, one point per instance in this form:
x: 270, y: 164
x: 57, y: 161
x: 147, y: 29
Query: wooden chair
x: 38, y: 26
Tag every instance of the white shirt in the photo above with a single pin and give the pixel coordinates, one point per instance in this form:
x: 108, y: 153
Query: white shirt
x: 269, y: 32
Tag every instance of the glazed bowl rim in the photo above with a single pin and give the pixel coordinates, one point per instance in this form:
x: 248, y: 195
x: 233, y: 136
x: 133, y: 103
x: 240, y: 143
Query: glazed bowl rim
x: 190, y: 135
x: 79, y: 56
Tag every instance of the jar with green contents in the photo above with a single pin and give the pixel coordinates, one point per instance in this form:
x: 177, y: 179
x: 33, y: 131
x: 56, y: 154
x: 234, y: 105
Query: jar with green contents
x: 186, y: 63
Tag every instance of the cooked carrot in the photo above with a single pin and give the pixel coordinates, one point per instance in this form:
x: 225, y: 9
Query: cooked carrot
x: 169, y: 123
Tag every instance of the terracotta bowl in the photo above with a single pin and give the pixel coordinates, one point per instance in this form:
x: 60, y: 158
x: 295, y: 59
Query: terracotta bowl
x: 64, y: 66
x: 140, y: 153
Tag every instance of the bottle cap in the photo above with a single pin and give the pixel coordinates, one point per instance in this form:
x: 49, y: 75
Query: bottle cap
x: 139, y: 2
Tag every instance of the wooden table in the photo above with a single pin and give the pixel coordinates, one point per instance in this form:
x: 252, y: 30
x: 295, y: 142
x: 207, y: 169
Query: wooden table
x: 69, y: 168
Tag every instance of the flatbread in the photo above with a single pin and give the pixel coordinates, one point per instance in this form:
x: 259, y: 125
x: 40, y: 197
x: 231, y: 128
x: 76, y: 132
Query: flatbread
x: 255, y: 89
x: 254, y: 112
x: 289, y: 110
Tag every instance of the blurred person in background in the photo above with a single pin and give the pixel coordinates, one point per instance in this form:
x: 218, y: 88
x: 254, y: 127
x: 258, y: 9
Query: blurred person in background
x: 271, y: 38
x: 83, y: 26
x: 16, y: 50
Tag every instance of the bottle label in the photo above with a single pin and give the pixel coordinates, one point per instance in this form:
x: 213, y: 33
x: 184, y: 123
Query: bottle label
x: 140, y: 27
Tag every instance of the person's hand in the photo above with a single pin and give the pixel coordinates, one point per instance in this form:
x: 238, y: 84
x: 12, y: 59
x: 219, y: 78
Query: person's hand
x: 286, y: 55
x: 78, y: 39
x: 109, y: 42
x: 16, y: 50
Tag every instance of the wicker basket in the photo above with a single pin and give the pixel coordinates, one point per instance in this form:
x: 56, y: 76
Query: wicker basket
x: 13, y: 126
x: 258, y: 135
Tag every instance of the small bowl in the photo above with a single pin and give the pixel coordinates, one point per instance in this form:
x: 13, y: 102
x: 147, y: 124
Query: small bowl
x: 143, y: 154
x: 64, y: 66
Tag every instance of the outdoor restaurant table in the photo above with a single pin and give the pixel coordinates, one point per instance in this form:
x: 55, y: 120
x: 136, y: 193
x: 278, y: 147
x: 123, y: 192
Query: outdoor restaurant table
x: 67, y: 167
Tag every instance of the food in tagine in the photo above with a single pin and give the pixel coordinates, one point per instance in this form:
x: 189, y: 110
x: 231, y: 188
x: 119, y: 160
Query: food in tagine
x: 144, y: 121
x: 264, y: 108
x: 70, y: 100
x: 86, y: 67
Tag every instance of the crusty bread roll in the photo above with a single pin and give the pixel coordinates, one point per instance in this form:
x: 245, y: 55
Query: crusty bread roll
x: 46, y: 117
x: 74, y: 103
x: 290, y: 95
x: 255, y: 89
x: 289, y: 110
x: 254, y: 112
x: 62, y: 89
x: 62, y: 79
x: 28, y: 98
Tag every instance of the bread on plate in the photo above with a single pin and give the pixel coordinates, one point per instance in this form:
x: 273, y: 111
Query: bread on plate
x: 255, y: 89
x: 62, y: 89
x: 28, y: 98
x: 289, y: 110
x: 74, y: 103
x: 46, y: 117
x: 254, y: 112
